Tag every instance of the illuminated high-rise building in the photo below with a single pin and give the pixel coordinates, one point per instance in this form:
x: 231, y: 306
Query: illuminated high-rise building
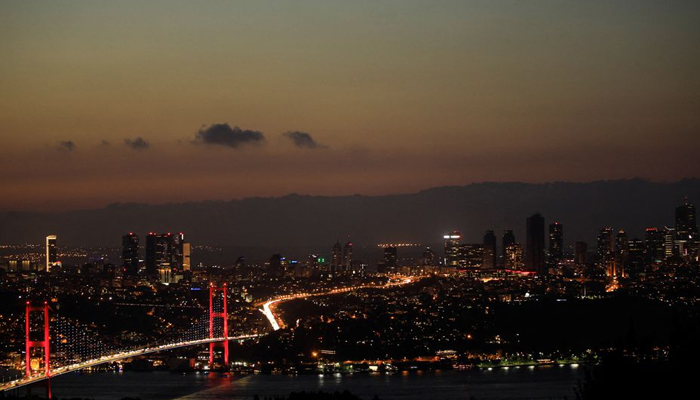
x: 165, y: 251
x: 669, y: 242
x: 452, y: 243
x: 186, y: 256
x: 687, y: 238
x: 514, y: 257
x: 606, y: 245
x: 489, y: 247
x: 556, y: 243
x: 51, y: 252
x: 347, y: 256
x: 507, y: 240
x: 686, y: 221
x: 130, y: 254
x: 471, y: 256
x: 534, y: 250
x: 622, y: 250
x: 336, y: 257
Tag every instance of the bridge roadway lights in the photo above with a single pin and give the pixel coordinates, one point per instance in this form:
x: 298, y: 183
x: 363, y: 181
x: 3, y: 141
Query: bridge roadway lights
x: 44, y: 343
x: 224, y: 315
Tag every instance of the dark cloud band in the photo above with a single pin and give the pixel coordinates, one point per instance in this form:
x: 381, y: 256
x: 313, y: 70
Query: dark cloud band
x: 224, y: 135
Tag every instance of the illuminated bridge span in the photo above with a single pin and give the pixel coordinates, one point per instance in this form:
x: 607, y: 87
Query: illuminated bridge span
x: 71, y: 347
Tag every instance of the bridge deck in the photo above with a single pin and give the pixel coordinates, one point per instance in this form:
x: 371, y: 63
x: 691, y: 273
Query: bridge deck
x: 116, y: 357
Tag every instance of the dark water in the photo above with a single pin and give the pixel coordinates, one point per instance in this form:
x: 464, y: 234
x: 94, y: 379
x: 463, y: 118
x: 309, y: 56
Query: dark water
x: 553, y: 382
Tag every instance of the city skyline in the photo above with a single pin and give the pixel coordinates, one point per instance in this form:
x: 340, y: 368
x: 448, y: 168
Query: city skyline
x: 349, y: 200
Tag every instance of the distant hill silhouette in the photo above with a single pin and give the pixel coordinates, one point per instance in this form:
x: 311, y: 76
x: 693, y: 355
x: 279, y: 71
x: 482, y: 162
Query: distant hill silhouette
x: 307, y: 221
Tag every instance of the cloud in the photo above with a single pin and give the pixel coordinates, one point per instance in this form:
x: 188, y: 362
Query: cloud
x: 224, y: 135
x: 303, y: 139
x: 137, y: 143
x: 67, y: 145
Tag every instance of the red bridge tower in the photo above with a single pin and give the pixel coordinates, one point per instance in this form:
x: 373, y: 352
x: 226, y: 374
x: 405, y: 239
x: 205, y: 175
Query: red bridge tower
x: 223, y: 315
x: 44, y: 343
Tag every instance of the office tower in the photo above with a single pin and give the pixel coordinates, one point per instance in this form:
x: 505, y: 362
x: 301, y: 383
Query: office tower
x: 686, y: 222
x: 451, y: 244
x: 390, y: 256
x: 51, y: 252
x: 186, y: 256
x: 336, y: 257
x: 471, y: 256
x: 347, y: 256
x: 175, y: 248
x: 164, y: 251
x: 507, y: 240
x: 151, y: 243
x: 636, y: 258
x: 556, y: 243
x: 687, y: 240
x: 669, y: 242
x: 581, y: 253
x: 130, y: 254
x: 606, y: 245
x: 489, y: 250
x: 621, y: 254
x: 514, y: 257
x: 428, y: 257
x: 655, y: 246
x: 534, y: 250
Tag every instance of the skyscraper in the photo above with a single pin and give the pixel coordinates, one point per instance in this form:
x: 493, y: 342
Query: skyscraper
x: 687, y: 230
x: 186, y: 256
x: 556, y: 243
x: 347, y: 256
x: 637, y: 257
x: 489, y: 250
x: 606, y: 244
x: 622, y: 250
x: 686, y: 221
x: 130, y: 254
x: 165, y: 251
x: 390, y: 256
x: 669, y: 242
x: 51, y: 252
x: 151, y: 243
x: 654, y: 246
x: 534, y: 250
x: 336, y: 256
x: 514, y: 257
x: 452, y: 245
x: 471, y: 256
x: 507, y: 240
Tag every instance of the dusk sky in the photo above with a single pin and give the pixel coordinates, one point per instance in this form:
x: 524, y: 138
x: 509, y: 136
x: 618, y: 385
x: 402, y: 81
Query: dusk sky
x: 174, y: 101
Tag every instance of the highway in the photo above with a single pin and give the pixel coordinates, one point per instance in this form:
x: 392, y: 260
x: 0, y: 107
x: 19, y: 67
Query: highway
x: 268, y: 307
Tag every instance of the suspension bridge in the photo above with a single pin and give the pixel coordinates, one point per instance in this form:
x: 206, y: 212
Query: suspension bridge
x: 68, y: 346
x: 76, y: 347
